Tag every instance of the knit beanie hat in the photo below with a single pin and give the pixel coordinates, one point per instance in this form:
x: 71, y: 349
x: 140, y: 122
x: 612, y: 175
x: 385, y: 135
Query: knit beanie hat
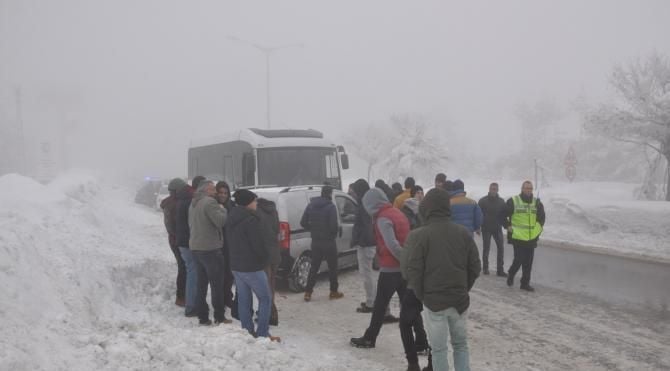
x: 176, y: 184
x: 244, y: 197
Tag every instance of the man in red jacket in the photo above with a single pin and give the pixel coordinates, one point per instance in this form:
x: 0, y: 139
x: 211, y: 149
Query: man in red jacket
x: 391, y: 228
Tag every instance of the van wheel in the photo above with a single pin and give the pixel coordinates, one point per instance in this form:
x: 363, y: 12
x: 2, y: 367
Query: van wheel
x: 298, y: 280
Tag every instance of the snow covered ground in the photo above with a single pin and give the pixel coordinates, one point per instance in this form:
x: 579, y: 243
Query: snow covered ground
x: 88, y: 283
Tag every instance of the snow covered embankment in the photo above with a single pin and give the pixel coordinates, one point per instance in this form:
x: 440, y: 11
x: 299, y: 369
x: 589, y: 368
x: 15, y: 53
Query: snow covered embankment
x: 87, y: 283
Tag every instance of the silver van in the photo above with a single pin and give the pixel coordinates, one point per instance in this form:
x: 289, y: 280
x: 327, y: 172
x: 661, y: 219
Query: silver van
x: 295, y: 241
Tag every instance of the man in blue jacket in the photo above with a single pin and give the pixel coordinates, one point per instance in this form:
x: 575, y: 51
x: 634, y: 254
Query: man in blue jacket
x: 464, y: 210
x: 320, y: 219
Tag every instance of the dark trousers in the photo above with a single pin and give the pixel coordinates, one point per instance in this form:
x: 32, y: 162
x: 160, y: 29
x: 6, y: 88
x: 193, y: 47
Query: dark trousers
x: 498, y: 238
x: 271, y: 271
x: 228, y: 279
x: 387, y: 284
x: 209, y: 265
x: 181, y: 268
x: 410, y: 319
x: 321, y: 250
x: 523, y: 257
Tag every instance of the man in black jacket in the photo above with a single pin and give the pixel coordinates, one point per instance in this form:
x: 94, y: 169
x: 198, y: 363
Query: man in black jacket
x: 492, y: 207
x: 363, y: 238
x: 248, y: 259
x: 320, y: 219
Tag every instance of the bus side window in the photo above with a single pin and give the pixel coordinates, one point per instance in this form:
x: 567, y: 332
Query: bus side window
x: 248, y: 169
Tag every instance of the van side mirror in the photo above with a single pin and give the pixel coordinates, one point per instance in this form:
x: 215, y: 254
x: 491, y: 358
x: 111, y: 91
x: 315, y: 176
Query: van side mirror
x: 345, y: 161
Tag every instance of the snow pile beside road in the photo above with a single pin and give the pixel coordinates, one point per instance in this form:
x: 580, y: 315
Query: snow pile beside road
x: 88, y: 283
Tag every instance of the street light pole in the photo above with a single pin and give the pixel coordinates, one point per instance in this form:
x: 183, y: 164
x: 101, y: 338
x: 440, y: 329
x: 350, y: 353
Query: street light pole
x: 268, y: 52
x: 267, y: 88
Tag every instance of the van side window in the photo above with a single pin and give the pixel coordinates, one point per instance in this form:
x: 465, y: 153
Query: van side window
x: 346, y: 208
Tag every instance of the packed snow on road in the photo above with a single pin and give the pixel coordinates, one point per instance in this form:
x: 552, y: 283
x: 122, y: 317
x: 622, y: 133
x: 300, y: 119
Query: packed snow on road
x: 88, y: 283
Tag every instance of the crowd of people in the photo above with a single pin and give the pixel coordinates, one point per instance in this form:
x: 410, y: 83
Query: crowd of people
x: 423, y: 243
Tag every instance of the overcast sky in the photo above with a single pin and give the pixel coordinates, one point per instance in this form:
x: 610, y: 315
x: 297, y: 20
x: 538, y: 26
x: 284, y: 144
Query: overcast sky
x: 131, y: 82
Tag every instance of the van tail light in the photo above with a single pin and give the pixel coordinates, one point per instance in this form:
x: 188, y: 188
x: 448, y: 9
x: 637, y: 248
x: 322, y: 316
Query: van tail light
x: 284, y: 235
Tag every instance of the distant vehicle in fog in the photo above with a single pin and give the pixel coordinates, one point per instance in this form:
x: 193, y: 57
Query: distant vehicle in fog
x: 148, y: 192
x: 253, y: 158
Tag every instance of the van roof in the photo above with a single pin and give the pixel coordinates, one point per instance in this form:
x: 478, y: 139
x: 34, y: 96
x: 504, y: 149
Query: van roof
x: 259, y: 138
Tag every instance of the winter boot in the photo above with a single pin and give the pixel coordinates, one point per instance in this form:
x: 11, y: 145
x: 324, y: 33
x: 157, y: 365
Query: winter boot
x: 180, y: 302
x: 510, y: 280
x: 362, y: 342
x: 205, y: 322
x: 528, y: 288
x: 275, y: 339
x: 308, y: 295
x: 501, y: 274
x: 413, y: 367
x: 224, y: 321
x: 336, y: 295
x: 364, y: 308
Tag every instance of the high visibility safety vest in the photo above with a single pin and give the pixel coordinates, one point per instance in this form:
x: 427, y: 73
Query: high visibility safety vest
x: 524, y: 220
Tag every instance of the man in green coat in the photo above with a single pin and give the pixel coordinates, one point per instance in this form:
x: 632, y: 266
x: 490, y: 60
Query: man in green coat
x: 441, y: 266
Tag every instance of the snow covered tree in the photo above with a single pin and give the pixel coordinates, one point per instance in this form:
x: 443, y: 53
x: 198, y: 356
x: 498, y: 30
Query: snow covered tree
x: 640, y: 113
x: 407, y: 145
x: 416, y: 148
x: 370, y: 146
x: 537, y: 121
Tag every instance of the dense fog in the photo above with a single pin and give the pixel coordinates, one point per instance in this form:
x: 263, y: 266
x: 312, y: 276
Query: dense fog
x: 124, y: 86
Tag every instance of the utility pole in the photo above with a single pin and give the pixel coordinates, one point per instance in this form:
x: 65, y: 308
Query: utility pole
x: 267, y: 50
x: 21, y: 152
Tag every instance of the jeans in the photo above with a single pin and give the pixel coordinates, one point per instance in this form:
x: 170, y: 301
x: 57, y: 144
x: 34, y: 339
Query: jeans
x: 388, y: 284
x: 320, y: 250
x: 209, y: 265
x: 440, y: 325
x: 500, y: 258
x: 191, y: 280
x: 256, y: 283
x: 523, y: 257
x: 365, y: 255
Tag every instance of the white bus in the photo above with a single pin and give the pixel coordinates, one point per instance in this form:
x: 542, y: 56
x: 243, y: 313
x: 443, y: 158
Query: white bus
x: 256, y: 158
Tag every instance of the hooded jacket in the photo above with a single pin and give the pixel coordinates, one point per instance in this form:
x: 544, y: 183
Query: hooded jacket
x: 183, y: 202
x: 465, y: 211
x: 206, y: 218
x: 411, y: 210
x: 320, y: 219
x: 441, y: 261
x: 391, y: 228
x: 248, y: 252
x: 399, y: 200
x: 169, y: 207
x: 362, y: 233
x: 267, y: 210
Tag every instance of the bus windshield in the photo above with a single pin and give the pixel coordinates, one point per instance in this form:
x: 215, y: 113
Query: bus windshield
x: 289, y: 166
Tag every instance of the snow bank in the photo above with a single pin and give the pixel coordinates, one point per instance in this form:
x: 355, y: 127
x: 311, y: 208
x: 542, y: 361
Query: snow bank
x: 87, y: 283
